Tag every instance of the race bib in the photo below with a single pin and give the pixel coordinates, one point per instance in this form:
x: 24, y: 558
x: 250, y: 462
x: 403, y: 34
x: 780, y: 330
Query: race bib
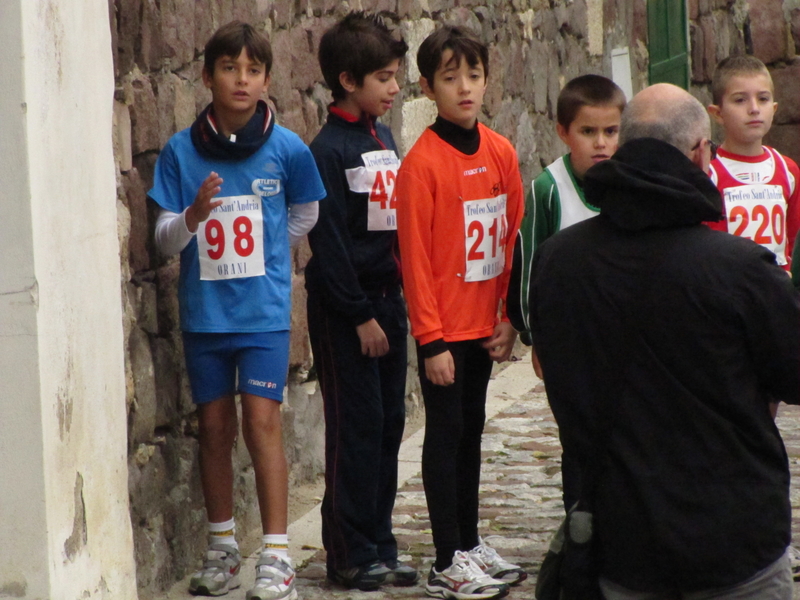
x: 377, y: 178
x: 758, y: 212
x: 231, y: 240
x: 485, y: 227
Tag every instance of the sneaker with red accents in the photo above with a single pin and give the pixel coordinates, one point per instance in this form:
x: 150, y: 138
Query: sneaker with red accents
x: 495, y: 566
x: 274, y: 579
x: 220, y: 572
x: 464, y: 580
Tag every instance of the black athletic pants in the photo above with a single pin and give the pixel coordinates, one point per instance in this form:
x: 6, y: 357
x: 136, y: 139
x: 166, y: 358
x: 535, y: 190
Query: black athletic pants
x: 364, y: 419
x: 451, y: 452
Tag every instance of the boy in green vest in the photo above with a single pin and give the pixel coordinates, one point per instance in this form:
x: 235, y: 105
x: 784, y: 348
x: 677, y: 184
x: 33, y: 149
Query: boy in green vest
x: 588, y: 115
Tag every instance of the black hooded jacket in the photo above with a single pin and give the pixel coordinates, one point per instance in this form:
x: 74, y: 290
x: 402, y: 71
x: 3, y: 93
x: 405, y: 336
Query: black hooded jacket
x: 674, y: 339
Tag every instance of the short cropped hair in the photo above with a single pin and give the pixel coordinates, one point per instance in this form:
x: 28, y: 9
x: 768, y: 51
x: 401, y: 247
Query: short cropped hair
x: 681, y: 123
x: 464, y: 44
x: 587, y: 90
x: 731, y: 67
x: 359, y: 44
x: 231, y: 39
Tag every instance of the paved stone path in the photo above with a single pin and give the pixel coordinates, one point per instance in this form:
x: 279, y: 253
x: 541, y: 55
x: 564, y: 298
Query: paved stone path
x: 520, y: 495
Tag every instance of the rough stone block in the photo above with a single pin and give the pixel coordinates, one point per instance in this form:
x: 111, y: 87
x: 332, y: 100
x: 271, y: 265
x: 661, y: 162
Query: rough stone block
x: 693, y: 9
x: 577, y: 19
x: 280, y: 88
x: 147, y: 315
x: 525, y: 139
x: 283, y: 13
x: 150, y: 42
x: 292, y: 117
x: 514, y: 76
x: 177, y: 30
x: 143, y: 417
x: 302, y: 254
x: 144, y: 113
x: 418, y: 114
x: 540, y: 56
x: 785, y: 139
x: 787, y: 94
x: 167, y: 364
x: 594, y: 18
x: 299, y: 350
x: 123, y: 235
x: 136, y: 200
x: 494, y: 91
x: 122, y: 137
x: 709, y: 47
x: 413, y: 9
x: 794, y: 24
x: 167, y: 282
x: 414, y: 32
x: 768, y: 30
x: 128, y: 25
x: 305, y: 66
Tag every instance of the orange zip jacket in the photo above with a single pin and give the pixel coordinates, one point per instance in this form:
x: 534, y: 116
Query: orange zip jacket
x: 457, y: 218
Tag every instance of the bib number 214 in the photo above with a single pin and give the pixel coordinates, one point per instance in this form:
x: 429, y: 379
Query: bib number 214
x: 486, y: 229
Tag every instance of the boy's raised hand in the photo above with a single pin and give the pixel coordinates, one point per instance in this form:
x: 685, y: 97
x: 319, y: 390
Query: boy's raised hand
x: 440, y: 369
x: 373, y: 339
x: 502, y: 342
x: 204, y: 202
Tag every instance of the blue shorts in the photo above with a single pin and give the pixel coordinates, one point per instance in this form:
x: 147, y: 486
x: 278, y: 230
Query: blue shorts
x: 213, y: 359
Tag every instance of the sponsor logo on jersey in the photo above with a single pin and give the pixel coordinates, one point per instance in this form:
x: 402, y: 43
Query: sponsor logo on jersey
x: 469, y: 172
x: 266, y: 187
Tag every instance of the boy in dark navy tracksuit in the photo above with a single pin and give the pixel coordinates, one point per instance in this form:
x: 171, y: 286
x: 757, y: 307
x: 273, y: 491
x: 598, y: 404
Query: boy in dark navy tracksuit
x: 356, y: 314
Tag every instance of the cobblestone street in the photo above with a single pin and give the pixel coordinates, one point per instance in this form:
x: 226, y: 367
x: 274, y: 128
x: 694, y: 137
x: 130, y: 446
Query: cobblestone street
x: 520, y: 494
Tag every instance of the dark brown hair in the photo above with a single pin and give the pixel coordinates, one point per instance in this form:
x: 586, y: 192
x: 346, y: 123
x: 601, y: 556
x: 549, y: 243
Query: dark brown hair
x: 359, y: 44
x: 587, y: 90
x: 732, y: 66
x: 231, y: 39
x: 464, y: 44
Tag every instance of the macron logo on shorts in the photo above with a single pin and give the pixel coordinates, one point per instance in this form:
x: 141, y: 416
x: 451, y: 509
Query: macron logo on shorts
x: 265, y: 384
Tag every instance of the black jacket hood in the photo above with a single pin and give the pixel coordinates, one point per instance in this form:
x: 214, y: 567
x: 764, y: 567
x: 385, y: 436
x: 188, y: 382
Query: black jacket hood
x: 651, y: 184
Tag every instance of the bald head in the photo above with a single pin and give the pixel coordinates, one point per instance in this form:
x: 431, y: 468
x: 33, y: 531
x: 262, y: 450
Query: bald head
x: 668, y: 113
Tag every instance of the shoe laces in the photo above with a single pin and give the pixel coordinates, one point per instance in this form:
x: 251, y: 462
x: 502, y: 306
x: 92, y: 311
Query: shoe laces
x: 470, y: 569
x: 486, y: 553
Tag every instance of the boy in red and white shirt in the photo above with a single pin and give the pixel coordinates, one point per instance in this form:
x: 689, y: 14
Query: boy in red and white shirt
x: 759, y: 186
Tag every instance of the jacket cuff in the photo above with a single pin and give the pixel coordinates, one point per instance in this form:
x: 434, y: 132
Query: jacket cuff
x: 433, y: 348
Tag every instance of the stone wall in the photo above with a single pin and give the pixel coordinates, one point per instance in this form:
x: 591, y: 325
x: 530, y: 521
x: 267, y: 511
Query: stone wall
x: 768, y: 29
x: 536, y: 46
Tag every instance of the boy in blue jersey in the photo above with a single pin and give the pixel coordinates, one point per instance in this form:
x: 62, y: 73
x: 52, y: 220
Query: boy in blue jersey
x: 356, y: 314
x: 234, y: 189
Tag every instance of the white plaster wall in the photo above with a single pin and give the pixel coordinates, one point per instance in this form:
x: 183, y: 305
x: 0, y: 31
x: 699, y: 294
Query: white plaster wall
x: 22, y: 506
x: 61, y: 360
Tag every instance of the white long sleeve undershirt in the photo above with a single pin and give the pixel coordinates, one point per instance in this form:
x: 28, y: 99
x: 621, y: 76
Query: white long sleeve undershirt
x: 172, y: 235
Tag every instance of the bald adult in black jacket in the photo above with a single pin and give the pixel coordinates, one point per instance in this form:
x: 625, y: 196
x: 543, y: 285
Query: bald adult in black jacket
x: 675, y: 339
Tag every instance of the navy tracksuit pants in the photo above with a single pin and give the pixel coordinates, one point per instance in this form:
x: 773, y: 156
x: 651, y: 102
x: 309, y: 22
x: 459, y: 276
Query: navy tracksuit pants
x: 364, y: 419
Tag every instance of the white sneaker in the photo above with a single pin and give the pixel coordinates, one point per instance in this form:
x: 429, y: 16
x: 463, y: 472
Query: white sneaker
x: 464, y: 580
x: 493, y: 565
x: 274, y: 579
x: 220, y: 572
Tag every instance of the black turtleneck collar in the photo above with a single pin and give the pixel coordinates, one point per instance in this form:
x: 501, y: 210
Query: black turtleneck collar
x: 466, y: 141
x: 651, y: 184
x: 211, y: 143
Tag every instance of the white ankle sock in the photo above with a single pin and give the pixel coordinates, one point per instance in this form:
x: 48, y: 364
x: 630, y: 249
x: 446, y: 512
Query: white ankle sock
x: 223, y: 533
x: 277, y: 544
